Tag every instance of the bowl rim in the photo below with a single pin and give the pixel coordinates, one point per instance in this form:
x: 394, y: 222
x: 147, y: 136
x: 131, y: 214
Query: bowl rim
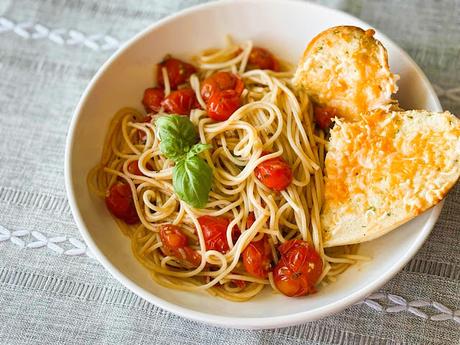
x: 212, y: 319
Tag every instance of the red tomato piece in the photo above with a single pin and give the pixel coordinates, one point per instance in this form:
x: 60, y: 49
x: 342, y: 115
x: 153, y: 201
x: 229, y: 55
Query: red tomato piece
x: 221, y: 81
x: 133, y: 168
x: 274, y: 173
x: 251, y: 219
x: 298, y: 269
x: 215, y: 232
x: 257, y: 258
x: 239, y: 283
x: 120, y: 203
x: 172, y: 237
x: 262, y: 59
x: 324, y: 116
x: 152, y: 99
x: 223, y: 104
x: 175, y: 243
x: 191, y: 256
x: 178, y: 72
x: 180, y: 102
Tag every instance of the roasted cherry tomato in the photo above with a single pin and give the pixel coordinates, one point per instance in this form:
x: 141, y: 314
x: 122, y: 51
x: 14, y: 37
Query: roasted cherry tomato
x: 221, y: 81
x: 298, y: 269
x: 140, y: 133
x: 120, y: 203
x: 324, y: 116
x: 274, y: 173
x: 152, y: 99
x: 175, y: 243
x: 178, y: 72
x: 223, y: 104
x: 172, y: 237
x: 180, y: 102
x: 133, y: 168
x: 215, y: 232
x: 262, y: 59
x: 257, y: 258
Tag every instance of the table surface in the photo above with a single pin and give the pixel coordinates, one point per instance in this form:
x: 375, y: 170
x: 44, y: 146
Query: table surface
x: 53, y: 291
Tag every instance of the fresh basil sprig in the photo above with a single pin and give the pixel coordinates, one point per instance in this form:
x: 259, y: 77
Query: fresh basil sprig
x: 192, y: 176
x: 177, y: 135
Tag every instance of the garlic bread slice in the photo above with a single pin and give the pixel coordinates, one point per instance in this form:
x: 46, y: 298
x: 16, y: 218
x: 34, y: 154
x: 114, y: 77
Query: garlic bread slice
x: 346, y: 68
x: 386, y: 169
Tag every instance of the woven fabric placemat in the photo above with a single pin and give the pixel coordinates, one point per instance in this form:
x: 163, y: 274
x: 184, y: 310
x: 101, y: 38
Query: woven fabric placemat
x: 53, y: 291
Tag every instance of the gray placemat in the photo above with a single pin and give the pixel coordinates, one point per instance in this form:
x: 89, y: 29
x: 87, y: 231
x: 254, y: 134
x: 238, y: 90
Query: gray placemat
x: 52, y: 291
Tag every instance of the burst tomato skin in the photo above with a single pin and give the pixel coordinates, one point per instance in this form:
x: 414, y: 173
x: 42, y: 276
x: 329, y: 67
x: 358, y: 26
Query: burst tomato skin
x: 257, y: 258
x: 120, y: 203
x: 221, y: 81
x: 178, y: 72
x: 215, y: 232
x: 180, y: 102
x: 175, y: 243
x: 324, y: 116
x: 172, y: 237
x: 153, y: 96
x: 275, y: 173
x: 263, y: 59
x: 298, y: 269
x: 221, y: 105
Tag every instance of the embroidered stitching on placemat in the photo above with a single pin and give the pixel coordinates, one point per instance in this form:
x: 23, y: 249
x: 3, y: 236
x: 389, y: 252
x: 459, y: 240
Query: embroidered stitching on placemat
x: 34, y: 239
x: 61, y: 245
x: 35, y: 31
x: 391, y: 303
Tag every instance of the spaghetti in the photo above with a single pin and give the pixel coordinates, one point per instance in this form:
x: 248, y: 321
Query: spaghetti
x: 273, y: 121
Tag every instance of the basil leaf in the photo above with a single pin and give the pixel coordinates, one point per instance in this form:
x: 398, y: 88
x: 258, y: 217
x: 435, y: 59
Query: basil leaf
x: 177, y: 135
x: 192, y: 181
x: 197, y: 149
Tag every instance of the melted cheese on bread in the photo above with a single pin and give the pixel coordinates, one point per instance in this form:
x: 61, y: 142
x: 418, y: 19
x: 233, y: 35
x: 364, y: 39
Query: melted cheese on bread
x: 346, y: 68
x: 386, y: 169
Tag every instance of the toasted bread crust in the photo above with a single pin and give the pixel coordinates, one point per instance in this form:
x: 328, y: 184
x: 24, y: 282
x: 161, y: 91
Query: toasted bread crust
x: 385, y: 170
x: 346, y: 68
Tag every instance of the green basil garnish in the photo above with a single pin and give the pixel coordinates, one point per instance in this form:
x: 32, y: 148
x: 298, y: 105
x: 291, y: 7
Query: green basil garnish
x: 192, y: 176
x: 192, y: 180
x: 177, y: 135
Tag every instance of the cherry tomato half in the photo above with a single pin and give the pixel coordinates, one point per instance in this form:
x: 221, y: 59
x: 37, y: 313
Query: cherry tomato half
x: 180, y: 102
x: 153, y: 96
x: 257, y: 258
x: 324, y: 116
x: 178, y: 72
x: 172, y: 237
x: 223, y: 104
x: 175, y: 243
x: 215, y: 232
x: 298, y: 269
x: 262, y: 59
x: 120, y: 203
x: 221, y: 81
x: 274, y: 173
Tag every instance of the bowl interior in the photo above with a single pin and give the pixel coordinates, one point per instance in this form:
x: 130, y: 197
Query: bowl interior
x: 285, y: 28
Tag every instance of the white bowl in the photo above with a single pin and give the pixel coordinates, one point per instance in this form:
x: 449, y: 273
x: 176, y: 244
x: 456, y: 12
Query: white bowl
x: 285, y: 27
